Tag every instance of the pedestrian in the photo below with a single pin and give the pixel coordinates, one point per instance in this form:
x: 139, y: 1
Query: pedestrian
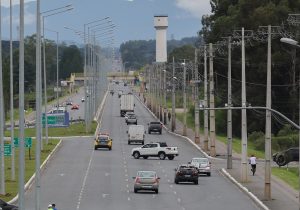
x: 53, y: 206
x: 169, y: 116
x: 50, y: 207
x: 252, y: 162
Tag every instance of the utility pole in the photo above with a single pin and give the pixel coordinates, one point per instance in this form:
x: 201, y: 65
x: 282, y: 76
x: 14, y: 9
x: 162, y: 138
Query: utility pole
x: 12, y: 122
x: 229, y: 111
x: 165, y: 96
x: 205, y: 102
x: 21, y: 111
x: 196, y: 92
x: 2, y: 122
x: 244, y: 174
x: 184, y: 99
x: 212, y: 126
x: 38, y: 101
x: 160, y: 93
x: 268, y: 139
x: 173, y: 98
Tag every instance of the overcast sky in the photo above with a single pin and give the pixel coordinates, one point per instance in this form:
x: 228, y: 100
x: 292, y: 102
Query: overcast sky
x: 133, y: 18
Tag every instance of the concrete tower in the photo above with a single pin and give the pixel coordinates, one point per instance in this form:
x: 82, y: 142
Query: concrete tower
x: 161, y: 25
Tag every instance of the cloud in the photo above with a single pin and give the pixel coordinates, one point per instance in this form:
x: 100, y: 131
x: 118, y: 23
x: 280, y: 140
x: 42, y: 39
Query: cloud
x: 197, y: 8
x: 29, y: 18
x: 6, y: 3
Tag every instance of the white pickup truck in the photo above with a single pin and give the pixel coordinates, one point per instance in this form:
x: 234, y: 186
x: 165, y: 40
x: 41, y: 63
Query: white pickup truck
x: 158, y: 149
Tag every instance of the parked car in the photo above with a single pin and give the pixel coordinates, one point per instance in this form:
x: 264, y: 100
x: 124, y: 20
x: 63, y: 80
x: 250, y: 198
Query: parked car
x: 154, y: 127
x: 132, y: 119
x: 6, y: 206
x: 75, y: 106
x: 286, y: 156
x: 186, y: 173
x: 146, y: 180
x: 158, y: 149
x: 202, y: 164
x: 103, y: 140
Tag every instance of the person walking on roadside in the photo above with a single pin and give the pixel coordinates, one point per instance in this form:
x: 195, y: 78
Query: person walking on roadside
x: 252, y: 162
x: 50, y: 207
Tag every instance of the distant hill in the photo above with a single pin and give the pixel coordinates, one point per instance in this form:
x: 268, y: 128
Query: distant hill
x: 138, y: 53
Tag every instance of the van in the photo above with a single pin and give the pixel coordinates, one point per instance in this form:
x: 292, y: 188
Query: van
x: 136, y: 133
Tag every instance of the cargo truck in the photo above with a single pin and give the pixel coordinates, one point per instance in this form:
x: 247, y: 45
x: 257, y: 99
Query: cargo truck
x: 126, y: 104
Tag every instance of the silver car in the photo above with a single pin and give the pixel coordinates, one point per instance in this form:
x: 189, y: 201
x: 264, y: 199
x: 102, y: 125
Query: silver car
x: 202, y: 164
x: 146, y: 180
x: 131, y: 119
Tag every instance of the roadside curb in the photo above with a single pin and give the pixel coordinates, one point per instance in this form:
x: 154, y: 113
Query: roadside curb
x: 176, y: 134
x: 42, y: 168
x: 258, y: 202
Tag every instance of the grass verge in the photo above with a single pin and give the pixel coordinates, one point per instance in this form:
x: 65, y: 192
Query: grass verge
x: 77, y: 129
x: 288, y: 175
x: 12, y: 185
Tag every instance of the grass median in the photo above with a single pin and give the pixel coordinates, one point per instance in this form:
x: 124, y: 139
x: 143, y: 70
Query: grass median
x: 11, y: 187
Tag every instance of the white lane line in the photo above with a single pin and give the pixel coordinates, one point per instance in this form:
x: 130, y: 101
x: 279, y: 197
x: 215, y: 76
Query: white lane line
x: 126, y: 180
x: 127, y: 191
x: 178, y: 200
x: 127, y: 185
x: 126, y: 175
x: 105, y: 195
x: 84, y: 180
x: 171, y: 186
x: 163, y: 171
x: 125, y: 170
x: 169, y: 180
x: 175, y: 192
x: 166, y: 175
x: 107, y: 174
x: 128, y: 199
x: 153, y: 196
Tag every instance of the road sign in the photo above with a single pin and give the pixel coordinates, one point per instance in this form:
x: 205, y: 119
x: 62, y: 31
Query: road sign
x: 7, y: 149
x: 57, y: 89
x: 57, y: 120
x: 28, y: 142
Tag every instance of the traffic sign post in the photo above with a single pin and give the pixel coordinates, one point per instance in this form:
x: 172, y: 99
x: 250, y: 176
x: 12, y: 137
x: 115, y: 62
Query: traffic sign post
x: 7, y: 149
x: 28, y: 142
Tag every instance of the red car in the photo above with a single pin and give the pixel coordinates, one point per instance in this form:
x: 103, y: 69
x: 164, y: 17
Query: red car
x: 75, y: 106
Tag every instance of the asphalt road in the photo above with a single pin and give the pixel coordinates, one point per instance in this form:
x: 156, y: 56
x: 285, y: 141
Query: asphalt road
x: 80, y: 178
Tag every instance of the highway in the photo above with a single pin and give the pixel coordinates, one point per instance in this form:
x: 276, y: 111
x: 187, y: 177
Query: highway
x: 79, y: 177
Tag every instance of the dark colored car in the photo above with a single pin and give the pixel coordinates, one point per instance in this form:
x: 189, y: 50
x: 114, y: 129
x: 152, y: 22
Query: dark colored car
x: 186, y: 173
x: 6, y: 206
x: 154, y: 127
x: 286, y: 156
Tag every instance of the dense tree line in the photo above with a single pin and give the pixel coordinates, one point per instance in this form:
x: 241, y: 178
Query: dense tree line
x: 230, y: 15
x: 70, y: 60
x: 138, y: 53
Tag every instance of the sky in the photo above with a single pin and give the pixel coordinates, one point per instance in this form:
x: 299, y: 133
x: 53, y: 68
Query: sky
x: 133, y: 18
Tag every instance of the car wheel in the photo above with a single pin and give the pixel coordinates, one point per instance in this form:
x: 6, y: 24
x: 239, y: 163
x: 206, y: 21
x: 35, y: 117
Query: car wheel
x: 156, y: 191
x: 196, y: 182
x: 160, y: 132
x: 145, y: 157
x: 136, y: 155
x: 143, y: 142
x: 208, y: 174
x: 162, y: 155
x: 281, y: 160
x: 95, y: 148
x: 149, y: 132
x: 176, y: 182
x: 135, y: 190
x: 109, y: 148
x: 128, y: 142
x: 170, y: 157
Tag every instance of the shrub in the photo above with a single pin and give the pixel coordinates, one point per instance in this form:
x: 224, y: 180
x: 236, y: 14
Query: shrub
x: 258, y: 139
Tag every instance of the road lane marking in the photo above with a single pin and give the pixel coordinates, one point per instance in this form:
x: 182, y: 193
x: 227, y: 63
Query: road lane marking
x: 171, y: 186
x: 84, y: 180
x: 128, y: 199
x: 175, y: 192
x: 105, y: 195
x: 127, y: 185
x: 179, y: 200
x: 107, y: 174
x: 169, y: 180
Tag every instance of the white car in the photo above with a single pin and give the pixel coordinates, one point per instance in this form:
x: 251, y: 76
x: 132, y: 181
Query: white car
x: 158, y: 149
x: 202, y: 164
x: 82, y: 99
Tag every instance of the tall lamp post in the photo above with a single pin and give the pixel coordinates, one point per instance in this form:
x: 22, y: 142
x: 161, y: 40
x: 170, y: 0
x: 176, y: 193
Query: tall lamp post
x: 295, y: 44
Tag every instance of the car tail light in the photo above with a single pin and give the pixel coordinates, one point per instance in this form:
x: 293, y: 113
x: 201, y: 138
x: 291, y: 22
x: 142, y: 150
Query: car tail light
x: 195, y: 172
x: 179, y: 173
x: 137, y: 180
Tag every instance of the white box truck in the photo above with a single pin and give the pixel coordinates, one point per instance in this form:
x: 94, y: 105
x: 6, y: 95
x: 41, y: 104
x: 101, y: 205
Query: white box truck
x: 136, y: 134
x: 127, y: 104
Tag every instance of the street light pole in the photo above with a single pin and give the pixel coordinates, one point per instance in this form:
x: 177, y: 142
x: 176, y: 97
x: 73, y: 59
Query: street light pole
x: 244, y: 175
x: 2, y: 123
x: 38, y: 101
x: 212, y: 126
x: 184, y: 99
x: 173, y: 98
x: 21, y: 110
x: 196, y: 83
x: 165, y: 97
x: 12, y: 123
x: 205, y: 102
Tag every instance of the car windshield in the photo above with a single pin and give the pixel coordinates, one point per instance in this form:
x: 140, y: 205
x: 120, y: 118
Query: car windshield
x: 200, y: 160
x: 146, y: 174
x: 102, y: 138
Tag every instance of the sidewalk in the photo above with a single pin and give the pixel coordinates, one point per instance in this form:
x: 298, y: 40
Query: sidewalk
x: 283, y: 196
